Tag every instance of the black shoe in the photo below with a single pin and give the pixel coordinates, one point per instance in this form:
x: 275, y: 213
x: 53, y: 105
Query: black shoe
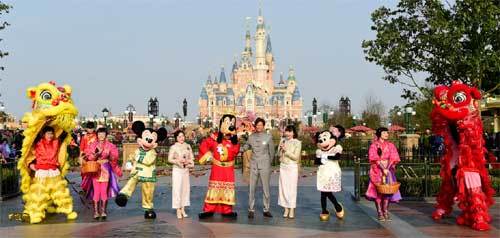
x: 251, y: 214
x: 121, y: 200
x: 230, y: 215
x: 204, y: 215
x: 149, y: 214
x: 268, y: 214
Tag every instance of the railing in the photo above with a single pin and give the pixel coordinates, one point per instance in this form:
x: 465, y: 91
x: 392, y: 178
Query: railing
x: 418, y: 179
x: 9, y: 180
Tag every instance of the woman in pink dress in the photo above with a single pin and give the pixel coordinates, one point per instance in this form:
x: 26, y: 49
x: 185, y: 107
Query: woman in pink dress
x: 383, y: 157
x: 104, y: 184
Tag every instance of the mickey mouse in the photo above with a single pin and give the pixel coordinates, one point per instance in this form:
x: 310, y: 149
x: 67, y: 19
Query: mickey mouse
x: 143, y: 168
x: 329, y: 173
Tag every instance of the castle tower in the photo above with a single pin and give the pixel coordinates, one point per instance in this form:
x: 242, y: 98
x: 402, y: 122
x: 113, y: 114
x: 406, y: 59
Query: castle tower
x: 222, y: 80
x: 269, y: 84
x: 203, y: 102
x: 260, y: 52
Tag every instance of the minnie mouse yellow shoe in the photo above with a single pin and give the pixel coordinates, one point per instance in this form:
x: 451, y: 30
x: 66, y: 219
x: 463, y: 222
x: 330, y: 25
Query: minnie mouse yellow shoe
x: 324, y: 216
x: 340, y: 215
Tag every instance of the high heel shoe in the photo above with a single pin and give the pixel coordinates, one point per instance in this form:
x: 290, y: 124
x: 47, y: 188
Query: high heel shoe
x: 291, y: 215
x: 184, y: 214
x: 286, y: 212
x: 179, y: 213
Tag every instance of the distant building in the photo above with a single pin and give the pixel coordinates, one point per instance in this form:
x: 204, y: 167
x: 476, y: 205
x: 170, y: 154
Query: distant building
x: 345, y: 105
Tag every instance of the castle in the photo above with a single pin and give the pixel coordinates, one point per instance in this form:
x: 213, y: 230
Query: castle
x: 251, y: 87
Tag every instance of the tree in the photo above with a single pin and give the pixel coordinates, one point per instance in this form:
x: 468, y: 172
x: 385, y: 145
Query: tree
x: 4, y: 8
x: 422, y: 119
x: 438, y: 41
x: 394, y: 118
x: 373, y: 111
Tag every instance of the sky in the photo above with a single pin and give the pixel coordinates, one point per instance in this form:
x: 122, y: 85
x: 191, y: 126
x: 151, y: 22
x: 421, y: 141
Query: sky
x: 115, y: 53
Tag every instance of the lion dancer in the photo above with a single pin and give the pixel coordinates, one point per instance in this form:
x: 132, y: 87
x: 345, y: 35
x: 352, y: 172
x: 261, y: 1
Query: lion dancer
x: 221, y: 148
x: 43, y: 161
x: 456, y: 118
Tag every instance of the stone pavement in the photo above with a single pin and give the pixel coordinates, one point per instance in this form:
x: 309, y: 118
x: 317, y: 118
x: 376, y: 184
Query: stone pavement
x: 410, y: 219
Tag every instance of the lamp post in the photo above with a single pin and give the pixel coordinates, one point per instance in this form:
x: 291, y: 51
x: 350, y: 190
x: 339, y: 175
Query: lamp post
x: 184, y: 108
x: 177, y: 119
x: 408, y: 112
x: 153, y: 108
x: 2, y: 114
x: 205, y: 122
x: 309, y: 118
x: 130, y: 111
x: 105, y: 114
x: 325, y: 118
x: 151, y: 118
x: 354, y: 118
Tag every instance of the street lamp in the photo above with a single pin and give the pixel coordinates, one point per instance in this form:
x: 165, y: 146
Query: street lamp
x: 105, y: 114
x: 308, y: 117
x: 325, y: 117
x: 177, y: 119
x: 130, y: 111
x: 354, y: 118
x: 205, y: 122
x: 407, y: 117
x: 153, y: 108
x: 2, y: 113
x: 151, y: 117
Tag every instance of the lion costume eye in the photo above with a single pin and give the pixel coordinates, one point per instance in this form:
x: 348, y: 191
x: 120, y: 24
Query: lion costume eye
x: 46, y: 95
x: 459, y: 97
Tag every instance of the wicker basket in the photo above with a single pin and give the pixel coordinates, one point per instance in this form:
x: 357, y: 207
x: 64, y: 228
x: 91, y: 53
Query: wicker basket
x: 90, y: 167
x: 387, y: 188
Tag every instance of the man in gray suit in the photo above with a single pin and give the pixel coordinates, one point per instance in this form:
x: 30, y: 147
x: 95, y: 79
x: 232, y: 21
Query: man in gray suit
x: 262, y: 147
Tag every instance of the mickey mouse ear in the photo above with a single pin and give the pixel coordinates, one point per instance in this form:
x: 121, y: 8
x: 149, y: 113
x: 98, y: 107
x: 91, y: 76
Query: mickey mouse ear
x: 138, y: 127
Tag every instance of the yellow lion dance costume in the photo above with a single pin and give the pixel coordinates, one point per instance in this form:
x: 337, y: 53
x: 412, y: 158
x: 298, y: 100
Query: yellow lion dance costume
x: 52, y: 106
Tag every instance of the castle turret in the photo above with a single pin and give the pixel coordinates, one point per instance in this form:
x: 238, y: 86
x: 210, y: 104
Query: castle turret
x: 260, y: 67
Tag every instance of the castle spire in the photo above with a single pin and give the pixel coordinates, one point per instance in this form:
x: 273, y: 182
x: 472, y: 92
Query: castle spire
x: 269, y: 48
x: 222, y: 78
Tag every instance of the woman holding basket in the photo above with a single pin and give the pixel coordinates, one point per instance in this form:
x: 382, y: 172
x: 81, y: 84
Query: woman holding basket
x: 383, y: 187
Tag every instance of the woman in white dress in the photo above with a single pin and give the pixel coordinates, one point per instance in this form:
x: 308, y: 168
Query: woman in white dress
x: 181, y: 157
x: 289, y: 154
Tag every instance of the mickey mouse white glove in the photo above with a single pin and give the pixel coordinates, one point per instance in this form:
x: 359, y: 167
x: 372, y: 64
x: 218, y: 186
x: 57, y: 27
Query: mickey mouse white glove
x: 128, y: 165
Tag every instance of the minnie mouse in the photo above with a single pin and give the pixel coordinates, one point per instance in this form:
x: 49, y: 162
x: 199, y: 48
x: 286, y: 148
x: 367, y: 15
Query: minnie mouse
x: 143, y: 168
x: 329, y: 173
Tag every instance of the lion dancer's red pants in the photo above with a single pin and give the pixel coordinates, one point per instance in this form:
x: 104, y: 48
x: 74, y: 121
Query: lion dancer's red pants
x: 470, y: 196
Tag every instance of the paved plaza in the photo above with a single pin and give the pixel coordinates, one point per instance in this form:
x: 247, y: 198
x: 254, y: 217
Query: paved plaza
x: 410, y: 219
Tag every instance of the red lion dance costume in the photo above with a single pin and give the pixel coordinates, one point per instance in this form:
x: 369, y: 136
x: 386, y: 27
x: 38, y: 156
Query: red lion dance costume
x: 457, y: 119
